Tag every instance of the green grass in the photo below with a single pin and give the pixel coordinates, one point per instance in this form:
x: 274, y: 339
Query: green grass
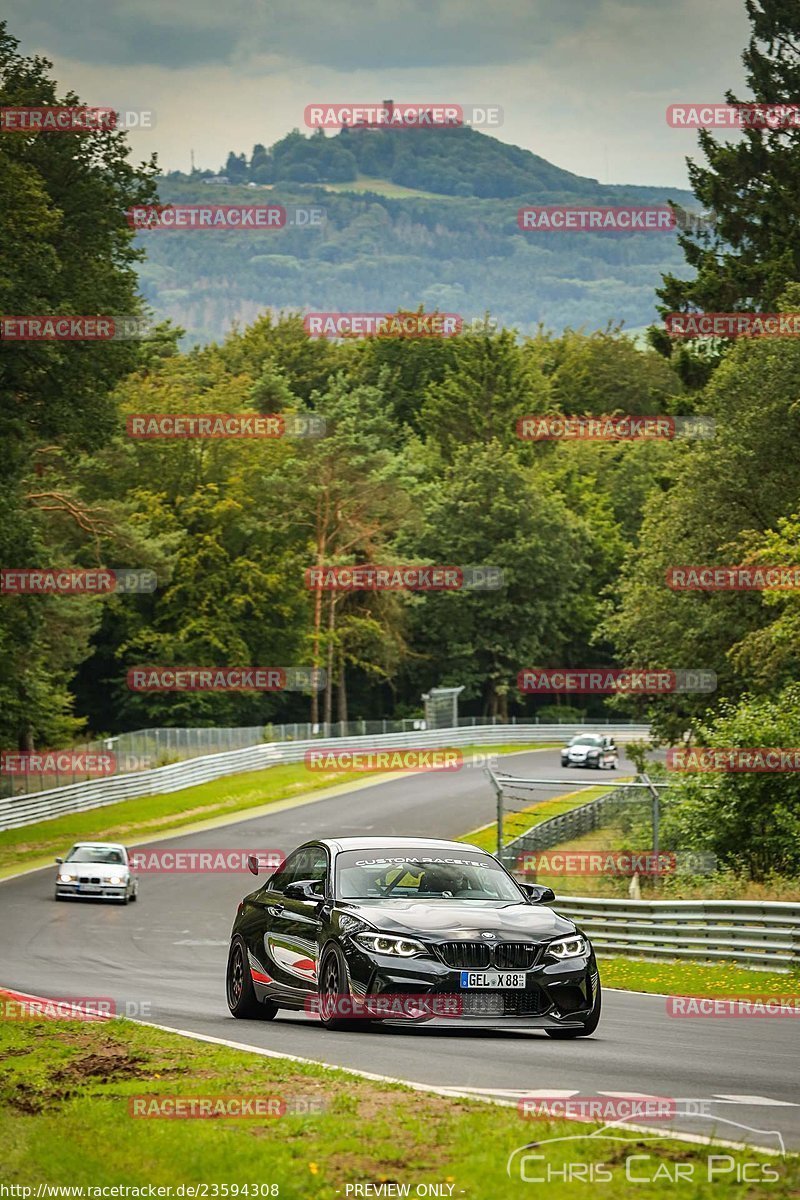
x: 381, y: 187
x: 66, y: 1089
x: 133, y: 821
x: 517, y: 823
x: 696, y: 979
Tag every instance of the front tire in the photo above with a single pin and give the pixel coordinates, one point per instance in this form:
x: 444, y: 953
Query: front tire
x: 589, y: 1026
x: 331, y: 985
x: 239, y: 990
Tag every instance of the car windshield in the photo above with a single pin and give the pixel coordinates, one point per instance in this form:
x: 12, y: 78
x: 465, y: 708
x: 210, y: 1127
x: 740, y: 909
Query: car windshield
x: 587, y: 740
x: 95, y: 854
x: 400, y: 873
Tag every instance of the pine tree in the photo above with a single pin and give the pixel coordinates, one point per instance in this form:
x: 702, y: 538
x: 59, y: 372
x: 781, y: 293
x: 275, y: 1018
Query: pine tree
x: 752, y: 186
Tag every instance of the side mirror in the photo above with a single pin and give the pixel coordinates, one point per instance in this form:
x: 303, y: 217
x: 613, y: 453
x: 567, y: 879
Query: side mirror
x: 59, y: 861
x: 537, y: 894
x: 252, y: 864
x: 304, y: 889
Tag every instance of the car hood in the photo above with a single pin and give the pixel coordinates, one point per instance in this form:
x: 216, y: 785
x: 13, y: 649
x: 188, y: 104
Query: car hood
x: 84, y: 868
x: 449, y: 920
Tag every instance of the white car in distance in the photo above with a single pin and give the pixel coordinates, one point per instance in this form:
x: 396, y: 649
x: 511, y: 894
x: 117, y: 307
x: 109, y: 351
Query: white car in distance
x: 100, y: 870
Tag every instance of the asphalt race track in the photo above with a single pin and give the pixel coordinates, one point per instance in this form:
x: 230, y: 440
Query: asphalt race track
x: 168, y: 952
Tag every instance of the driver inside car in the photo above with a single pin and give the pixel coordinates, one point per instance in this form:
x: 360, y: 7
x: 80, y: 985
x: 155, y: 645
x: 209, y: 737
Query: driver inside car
x: 444, y: 881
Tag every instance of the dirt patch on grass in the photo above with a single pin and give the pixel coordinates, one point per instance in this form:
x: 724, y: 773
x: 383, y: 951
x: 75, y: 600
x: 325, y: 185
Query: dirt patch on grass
x: 110, y: 1063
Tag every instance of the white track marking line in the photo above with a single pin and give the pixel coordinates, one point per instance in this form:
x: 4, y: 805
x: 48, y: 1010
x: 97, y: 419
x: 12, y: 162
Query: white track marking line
x: 756, y: 1100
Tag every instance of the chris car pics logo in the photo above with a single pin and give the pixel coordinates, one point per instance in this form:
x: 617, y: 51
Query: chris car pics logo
x: 627, y: 1155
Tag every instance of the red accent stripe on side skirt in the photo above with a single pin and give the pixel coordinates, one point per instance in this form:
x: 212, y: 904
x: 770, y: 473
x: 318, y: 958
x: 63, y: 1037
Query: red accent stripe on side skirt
x: 260, y: 977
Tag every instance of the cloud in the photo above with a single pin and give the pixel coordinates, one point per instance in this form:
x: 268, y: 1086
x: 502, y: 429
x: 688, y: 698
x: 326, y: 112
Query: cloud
x: 347, y: 35
x: 583, y: 83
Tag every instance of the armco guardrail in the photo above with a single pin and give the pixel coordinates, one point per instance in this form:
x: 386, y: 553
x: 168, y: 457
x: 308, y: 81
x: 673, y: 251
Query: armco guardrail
x: 17, y: 811
x: 145, y: 749
x: 755, y: 933
x: 573, y: 824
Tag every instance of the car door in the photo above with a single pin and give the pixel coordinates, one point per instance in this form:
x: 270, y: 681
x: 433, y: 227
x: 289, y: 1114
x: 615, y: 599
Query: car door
x: 260, y: 911
x: 292, y: 926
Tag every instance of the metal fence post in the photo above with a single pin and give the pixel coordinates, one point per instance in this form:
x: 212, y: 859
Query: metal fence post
x: 499, y: 795
x: 656, y: 812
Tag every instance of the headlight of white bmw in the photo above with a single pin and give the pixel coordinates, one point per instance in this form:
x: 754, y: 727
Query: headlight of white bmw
x: 65, y: 877
x: 116, y: 880
x: 384, y: 943
x: 571, y: 947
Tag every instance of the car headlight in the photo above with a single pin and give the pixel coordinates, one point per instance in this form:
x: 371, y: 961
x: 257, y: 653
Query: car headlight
x: 64, y: 877
x: 384, y: 943
x: 571, y: 947
x: 116, y: 879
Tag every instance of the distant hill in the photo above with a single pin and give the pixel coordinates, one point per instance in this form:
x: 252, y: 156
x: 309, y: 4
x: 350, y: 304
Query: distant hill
x: 450, y: 162
x: 411, y: 239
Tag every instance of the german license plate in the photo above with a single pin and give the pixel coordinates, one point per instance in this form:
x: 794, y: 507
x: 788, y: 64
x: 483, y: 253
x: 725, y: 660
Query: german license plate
x: 493, y: 979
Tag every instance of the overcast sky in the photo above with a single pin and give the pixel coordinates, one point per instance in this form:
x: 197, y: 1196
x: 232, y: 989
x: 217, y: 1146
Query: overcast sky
x: 584, y: 83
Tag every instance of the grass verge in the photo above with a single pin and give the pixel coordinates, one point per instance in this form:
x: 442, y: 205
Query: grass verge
x: 696, y: 979
x: 132, y: 821
x: 67, y: 1089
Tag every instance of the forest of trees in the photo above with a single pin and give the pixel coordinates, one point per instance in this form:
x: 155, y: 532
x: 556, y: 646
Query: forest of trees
x: 378, y: 253
x: 421, y: 463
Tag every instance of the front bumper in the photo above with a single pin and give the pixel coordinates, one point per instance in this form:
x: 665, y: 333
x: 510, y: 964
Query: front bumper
x: 92, y: 891
x: 557, y: 995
